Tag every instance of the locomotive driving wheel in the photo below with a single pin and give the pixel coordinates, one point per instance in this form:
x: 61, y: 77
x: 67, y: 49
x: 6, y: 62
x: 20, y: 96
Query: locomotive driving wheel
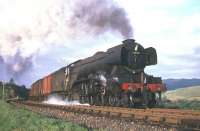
x: 90, y: 92
x: 131, y: 101
x: 102, y: 94
x: 112, y: 100
x: 91, y: 100
x: 81, y: 94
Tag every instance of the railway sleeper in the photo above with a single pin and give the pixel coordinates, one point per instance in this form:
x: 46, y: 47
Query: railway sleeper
x: 96, y: 112
x: 155, y: 119
x: 70, y: 109
x: 115, y: 114
x: 140, y: 117
x: 191, y: 123
x: 173, y: 120
x: 105, y: 113
x: 86, y: 111
x: 126, y: 115
x: 83, y: 111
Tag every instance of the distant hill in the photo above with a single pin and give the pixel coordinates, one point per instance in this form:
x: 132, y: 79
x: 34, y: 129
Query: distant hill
x: 189, y: 93
x: 173, y: 84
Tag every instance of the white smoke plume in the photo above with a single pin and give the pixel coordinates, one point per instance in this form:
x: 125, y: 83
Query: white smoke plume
x: 31, y: 27
x: 57, y: 100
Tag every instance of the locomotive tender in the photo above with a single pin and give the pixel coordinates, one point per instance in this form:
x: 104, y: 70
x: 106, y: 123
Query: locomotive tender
x: 115, y: 78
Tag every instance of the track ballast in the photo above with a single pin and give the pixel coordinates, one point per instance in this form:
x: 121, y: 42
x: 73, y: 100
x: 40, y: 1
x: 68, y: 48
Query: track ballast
x: 175, y: 118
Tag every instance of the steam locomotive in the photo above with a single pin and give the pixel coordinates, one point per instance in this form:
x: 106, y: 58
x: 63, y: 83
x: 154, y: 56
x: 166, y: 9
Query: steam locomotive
x: 114, y: 78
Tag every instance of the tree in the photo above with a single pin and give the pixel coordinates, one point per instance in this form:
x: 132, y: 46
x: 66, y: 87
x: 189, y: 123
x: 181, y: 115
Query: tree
x: 12, y: 82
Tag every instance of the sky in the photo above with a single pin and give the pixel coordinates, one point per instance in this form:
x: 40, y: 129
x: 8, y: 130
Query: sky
x: 173, y: 28
x: 38, y: 37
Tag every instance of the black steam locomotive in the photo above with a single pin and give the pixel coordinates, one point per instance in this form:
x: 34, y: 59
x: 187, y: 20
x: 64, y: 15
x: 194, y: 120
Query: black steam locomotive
x: 115, y: 77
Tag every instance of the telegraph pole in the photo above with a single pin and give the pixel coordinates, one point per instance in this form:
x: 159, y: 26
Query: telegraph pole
x: 3, y: 91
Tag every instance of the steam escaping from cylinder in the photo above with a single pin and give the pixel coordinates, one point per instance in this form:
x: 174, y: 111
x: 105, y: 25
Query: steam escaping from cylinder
x: 103, y: 80
x: 57, y: 100
x: 30, y: 29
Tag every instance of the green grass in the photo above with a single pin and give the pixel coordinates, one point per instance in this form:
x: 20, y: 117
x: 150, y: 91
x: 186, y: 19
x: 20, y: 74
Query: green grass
x: 183, y: 104
x: 14, y: 119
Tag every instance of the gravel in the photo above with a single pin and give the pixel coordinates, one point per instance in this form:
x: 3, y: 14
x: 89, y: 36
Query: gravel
x: 100, y: 122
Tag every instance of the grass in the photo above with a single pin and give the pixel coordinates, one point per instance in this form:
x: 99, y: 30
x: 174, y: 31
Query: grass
x: 183, y: 98
x: 183, y: 104
x: 14, y: 119
x: 189, y: 93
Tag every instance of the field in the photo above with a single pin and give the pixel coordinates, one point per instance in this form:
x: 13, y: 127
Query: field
x: 12, y: 118
x: 184, y: 98
x: 189, y: 93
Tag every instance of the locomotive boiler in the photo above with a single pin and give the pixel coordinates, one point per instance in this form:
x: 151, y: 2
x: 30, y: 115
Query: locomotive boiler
x: 115, y: 77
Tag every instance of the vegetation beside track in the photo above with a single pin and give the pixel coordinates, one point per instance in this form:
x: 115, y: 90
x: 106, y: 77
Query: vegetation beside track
x: 189, y: 93
x: 12, y: 118
x: 183, y: 104
x: 183, y: 98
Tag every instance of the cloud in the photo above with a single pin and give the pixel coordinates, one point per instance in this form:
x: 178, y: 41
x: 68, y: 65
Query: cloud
x: 185, y: 65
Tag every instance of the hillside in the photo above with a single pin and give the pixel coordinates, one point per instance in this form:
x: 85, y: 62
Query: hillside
x: 189, y: 93
x: 183, y: 98
x: 173, y: 84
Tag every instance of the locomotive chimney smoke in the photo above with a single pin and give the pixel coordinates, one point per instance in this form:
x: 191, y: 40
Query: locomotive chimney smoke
x: 14, y: 62
x: 99, y: 16
x: 36, y: 28
x: 19, y: 65
x: 16, y: 65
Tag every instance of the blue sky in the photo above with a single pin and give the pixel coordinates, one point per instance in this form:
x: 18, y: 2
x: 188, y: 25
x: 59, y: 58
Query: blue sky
x: 172, y: 27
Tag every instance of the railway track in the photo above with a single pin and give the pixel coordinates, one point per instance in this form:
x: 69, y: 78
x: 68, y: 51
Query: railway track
x: 180, y: 119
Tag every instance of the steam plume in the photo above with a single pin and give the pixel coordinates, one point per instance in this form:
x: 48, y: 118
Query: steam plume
x: 32, y: 27
x: 99, y: 16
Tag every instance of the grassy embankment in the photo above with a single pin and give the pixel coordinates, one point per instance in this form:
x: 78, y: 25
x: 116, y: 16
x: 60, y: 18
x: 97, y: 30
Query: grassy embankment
x: 184, y: 98
x: 12, y: 118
